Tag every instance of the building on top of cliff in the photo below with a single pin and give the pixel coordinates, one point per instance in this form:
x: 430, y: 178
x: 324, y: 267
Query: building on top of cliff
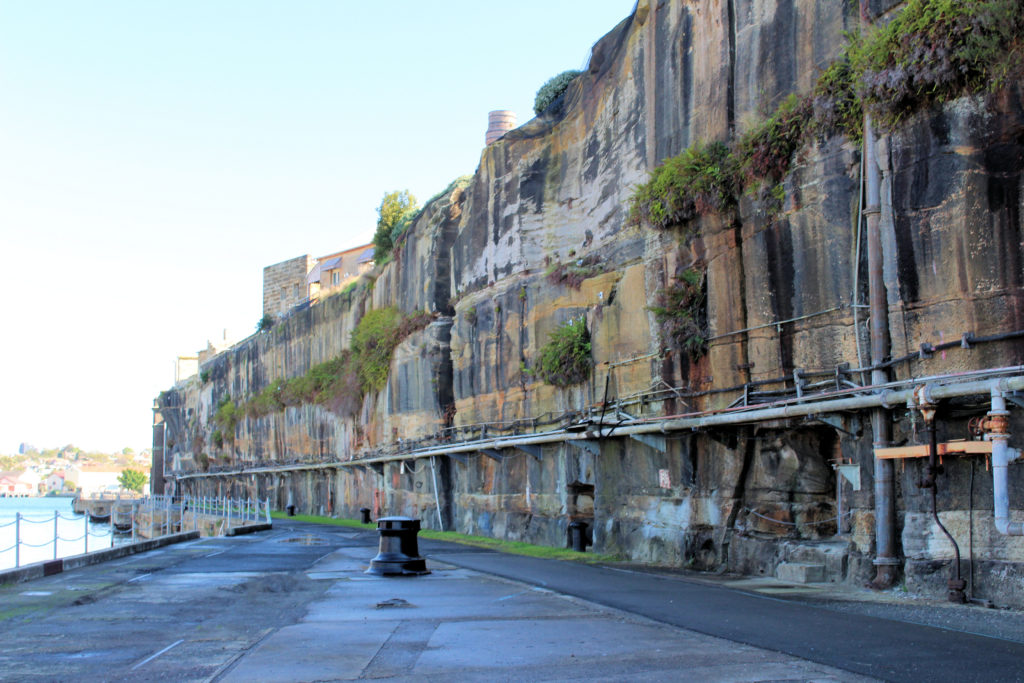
x: 301, y: 280
x: 284, y: 284
x: 335, y: 271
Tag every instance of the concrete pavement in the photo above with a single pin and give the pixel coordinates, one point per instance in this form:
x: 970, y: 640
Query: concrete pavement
x: 293, y: 604
x: 879, y: 645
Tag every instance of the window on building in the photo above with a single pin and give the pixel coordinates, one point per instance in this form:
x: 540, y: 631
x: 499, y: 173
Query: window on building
x: 295, y: 291
x: 336, y: 278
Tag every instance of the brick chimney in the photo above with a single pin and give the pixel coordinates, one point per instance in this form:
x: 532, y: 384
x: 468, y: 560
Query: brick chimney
x: 499, y: 122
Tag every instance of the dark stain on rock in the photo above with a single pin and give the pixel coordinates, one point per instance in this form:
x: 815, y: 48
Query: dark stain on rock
x: 1004, y: 164
x: 674, y: 82
x: 779, y: 248
x: 776, y: 58
x: 926, y: 175
x: 592, y: 159
x: 496, y: 206
x: 938, y: 123
x: 531, y: 184
x: 906, y: 263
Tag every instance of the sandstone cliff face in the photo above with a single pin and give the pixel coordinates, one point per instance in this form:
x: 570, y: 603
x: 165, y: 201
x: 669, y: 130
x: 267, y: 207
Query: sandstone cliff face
x: 540, y: 236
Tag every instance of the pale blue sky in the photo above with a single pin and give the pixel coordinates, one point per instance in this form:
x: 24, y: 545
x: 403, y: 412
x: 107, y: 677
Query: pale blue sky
x: 156, y: 155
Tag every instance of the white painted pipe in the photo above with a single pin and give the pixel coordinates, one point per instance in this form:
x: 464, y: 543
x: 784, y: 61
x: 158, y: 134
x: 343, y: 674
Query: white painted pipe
x: 437, y: 497
x: 1002, y: 456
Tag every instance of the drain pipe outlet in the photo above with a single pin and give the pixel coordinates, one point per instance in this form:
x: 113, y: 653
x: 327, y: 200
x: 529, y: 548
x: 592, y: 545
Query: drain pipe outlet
x: 997, y: 430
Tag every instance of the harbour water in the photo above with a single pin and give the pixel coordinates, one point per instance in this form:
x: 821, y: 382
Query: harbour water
x: 36, y: 530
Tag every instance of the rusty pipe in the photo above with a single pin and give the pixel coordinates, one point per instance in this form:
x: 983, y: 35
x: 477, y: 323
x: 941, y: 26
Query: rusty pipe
x: 927, y: 406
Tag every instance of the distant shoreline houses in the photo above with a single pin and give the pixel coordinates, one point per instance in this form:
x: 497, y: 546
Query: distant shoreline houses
x: 18, y: 484
x: 85, y: 479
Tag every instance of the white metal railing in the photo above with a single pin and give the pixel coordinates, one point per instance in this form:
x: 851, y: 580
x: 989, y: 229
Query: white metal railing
x: 235, y: 511
x: 19, y: 543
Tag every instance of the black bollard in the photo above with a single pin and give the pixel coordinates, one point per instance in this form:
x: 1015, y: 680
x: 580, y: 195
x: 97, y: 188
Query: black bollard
x: 291, y: 510
x: 365, y: 515
x: 399, y: 553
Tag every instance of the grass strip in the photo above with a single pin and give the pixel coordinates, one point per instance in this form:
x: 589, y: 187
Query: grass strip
x: 499, y: 545
x: 316, y: 519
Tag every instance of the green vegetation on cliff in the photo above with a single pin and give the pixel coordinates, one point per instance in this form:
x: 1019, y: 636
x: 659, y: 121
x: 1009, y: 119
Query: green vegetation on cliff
x: 573, y: 274
x: 373, y: 341
x: 552, y: 90
x: 934, y: 51
x: 681, y: 312
x: 566, y: 358
x: 265, y: 323
x: 226, y: 417
x: 699, y: 181
x: 931, y: 52
x: 394, y: 215
x: 339, y: 383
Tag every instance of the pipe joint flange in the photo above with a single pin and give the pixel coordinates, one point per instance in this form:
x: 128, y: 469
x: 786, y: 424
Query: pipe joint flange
x: 996, y: 426
x: 886, y: 399
x: 926, y: 402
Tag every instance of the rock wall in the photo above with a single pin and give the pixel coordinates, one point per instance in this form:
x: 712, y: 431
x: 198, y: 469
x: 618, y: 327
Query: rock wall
x: 540, y: 236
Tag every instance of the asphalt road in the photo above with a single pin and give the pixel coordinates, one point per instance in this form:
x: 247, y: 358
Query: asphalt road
x: 878, y: 647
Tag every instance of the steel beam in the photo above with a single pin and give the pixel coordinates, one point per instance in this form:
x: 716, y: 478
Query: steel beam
x: 492, y: 454
x: 658, y: 443
x: 534, y: 451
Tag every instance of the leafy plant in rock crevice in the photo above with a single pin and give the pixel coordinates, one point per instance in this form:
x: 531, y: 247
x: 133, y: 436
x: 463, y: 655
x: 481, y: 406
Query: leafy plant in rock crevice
x: 766, y: 150
x: 681, y: 311
x: 573, y: 274
x: 226, y: 417
x: 566, y: 358
x: 699, y: 181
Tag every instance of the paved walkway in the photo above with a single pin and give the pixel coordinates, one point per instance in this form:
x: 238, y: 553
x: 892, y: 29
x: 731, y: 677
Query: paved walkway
x: 293, y: 604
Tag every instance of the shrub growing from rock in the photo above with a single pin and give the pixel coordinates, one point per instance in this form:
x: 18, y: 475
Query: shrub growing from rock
x: 566, y: 359
x: 552, y: 90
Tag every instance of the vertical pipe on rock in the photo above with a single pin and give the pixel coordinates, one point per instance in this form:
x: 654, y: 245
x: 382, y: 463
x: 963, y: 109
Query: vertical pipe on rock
x: 881, y: 422
x: 885, y: 561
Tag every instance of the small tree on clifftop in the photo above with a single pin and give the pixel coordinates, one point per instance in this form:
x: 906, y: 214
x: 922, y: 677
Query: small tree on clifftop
x: 394, y: 211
